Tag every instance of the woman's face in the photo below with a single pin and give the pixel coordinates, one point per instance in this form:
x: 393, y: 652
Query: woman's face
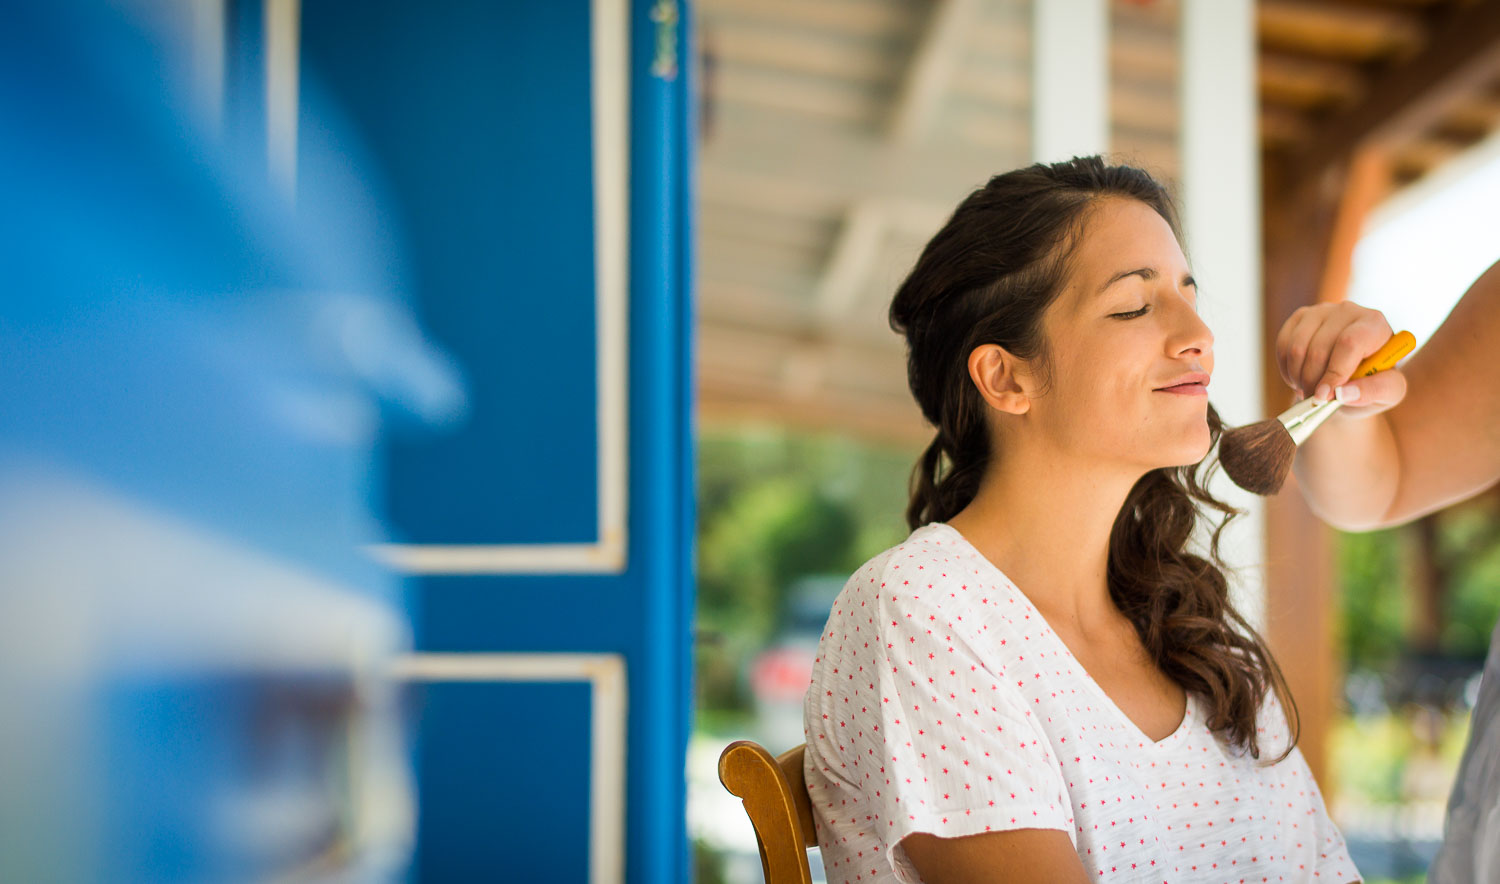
x: 1129, y: 358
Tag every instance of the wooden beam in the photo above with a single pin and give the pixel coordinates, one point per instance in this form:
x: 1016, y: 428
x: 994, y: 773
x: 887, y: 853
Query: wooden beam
x: 1307, y: 83
x: 1309, y: 247
x: 1299, y: 549
x: 1281, y: 125
x: 1365, y: 185
x: 1472, y: 119
x: 1461, y: 56
x: 1358, y: 32
x: 1416, y: 159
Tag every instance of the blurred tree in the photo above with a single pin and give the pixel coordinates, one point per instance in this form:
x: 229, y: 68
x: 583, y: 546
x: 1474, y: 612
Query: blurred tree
x: 1372, y: 599
x: 775, y: 505
x: 1469, y: 545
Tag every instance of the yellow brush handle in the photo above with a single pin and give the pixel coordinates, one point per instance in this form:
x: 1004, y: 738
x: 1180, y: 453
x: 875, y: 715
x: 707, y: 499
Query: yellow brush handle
x: 1400, y: 344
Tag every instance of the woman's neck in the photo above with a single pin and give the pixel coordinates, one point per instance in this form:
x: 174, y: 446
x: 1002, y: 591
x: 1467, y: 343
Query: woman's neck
x: 1046, y: 523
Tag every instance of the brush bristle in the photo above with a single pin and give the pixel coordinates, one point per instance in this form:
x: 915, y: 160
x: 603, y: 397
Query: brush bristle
x: 1257, y: 457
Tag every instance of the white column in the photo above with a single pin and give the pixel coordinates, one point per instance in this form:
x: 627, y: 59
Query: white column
x: 1070, y: 79
x: 283, y: 51
x: 1221, y: 224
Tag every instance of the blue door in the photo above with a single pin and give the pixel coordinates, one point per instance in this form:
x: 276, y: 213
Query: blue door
x: 529, y: 164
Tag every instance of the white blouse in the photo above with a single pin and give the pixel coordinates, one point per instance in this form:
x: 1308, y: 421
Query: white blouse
x: 942, y: 702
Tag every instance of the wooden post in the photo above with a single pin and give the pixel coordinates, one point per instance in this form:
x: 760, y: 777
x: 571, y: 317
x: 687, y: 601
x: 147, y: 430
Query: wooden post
x: 1310, y: 236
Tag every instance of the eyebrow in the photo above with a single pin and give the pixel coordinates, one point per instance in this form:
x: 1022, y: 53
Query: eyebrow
x: 1146, y: 273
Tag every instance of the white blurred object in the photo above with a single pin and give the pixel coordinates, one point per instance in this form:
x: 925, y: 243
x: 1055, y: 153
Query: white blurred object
x: 1424, y: 248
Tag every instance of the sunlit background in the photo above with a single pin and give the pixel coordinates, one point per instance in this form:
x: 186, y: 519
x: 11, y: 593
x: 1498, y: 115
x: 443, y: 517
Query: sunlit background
x: 428, y: 431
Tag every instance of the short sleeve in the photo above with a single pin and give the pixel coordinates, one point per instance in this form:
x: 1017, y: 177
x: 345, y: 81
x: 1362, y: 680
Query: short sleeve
x: 963, y: 754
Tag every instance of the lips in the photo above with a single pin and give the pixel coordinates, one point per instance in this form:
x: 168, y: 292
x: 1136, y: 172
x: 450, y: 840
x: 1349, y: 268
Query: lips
x: 1195, y: 384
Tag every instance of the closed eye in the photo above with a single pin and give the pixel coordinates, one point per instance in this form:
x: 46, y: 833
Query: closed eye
x: 1133, y: 314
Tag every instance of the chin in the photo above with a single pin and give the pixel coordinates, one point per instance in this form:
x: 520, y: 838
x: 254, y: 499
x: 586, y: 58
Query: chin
x: 1186, y: 450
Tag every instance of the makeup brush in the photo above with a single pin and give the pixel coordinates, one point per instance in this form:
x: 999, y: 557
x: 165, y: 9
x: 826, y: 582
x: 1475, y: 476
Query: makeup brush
x: 1258, y: 456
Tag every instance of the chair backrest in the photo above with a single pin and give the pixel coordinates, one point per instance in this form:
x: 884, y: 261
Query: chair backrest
x: 775, y: 796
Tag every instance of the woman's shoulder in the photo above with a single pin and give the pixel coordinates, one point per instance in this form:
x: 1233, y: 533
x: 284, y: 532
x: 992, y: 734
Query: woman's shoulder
x: 933, y: 576
x: 932, y: 560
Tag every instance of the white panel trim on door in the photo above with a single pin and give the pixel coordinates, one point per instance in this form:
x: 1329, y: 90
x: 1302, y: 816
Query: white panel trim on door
x: 605, y: 674
x: 609, y: 46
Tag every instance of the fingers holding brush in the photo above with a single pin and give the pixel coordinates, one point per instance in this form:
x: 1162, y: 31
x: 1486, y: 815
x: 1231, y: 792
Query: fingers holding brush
x: 1320, y: 346
x: 1364, y: 397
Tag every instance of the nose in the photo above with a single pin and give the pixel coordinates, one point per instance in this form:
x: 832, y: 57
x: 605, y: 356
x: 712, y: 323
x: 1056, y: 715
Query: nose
x: 1190, y: 335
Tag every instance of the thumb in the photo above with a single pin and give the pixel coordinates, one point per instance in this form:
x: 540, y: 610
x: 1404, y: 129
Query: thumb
x: 1376, y: 393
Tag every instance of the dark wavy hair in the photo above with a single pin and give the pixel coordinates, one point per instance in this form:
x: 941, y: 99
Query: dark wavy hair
x: 986, y: 278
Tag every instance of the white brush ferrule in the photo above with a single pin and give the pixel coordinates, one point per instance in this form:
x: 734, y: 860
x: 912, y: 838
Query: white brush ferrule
x: 1304, y: 417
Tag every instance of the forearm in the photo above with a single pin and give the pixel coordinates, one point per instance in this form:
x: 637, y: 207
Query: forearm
x: 1349, y: 471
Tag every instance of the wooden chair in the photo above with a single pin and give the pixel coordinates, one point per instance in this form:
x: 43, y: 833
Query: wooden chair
x: 775, y: 797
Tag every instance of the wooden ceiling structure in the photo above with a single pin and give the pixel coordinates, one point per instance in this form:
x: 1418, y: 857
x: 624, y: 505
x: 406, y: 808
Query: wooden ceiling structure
x: 838, y: 135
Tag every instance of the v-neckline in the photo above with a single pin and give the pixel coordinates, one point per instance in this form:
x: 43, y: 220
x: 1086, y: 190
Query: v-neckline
x: 1188, y: 707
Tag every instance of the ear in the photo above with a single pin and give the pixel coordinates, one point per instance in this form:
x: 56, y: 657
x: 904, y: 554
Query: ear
x: 1001, y: 379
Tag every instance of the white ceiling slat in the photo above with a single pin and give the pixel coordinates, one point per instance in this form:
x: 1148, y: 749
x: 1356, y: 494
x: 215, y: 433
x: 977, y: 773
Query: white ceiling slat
x: 749, y: 224
x: 931, y: 68
x: 1008, y: 85
x: 850, y: 261
x: 804, y: 52
x: 756, y: 188
x: 806, y: 257
x: 1002, y: 39
x: 859, y: 18
x: 1011, y: 137
x: 823, y: 170
x: 736, y: 302
x: 733, y: 267
x: 785, y: 91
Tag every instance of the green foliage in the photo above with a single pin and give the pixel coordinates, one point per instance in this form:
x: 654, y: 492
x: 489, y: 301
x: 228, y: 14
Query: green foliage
x: 771, y: 532
x: 707, y: 864
x: 774, y: 506
x: 1370, y: 755
x: 1378, y: 579
x: 1372, y: 598
x: 1470, y: 544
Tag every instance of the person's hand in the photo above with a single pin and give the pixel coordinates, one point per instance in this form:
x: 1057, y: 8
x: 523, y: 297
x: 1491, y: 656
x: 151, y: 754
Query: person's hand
x: 1319, y: 347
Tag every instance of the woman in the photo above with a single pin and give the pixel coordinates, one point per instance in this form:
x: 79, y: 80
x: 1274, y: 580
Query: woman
x: 1044, y: 683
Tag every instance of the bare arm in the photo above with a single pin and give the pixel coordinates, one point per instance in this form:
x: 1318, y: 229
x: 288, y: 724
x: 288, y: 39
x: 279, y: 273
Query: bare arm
x: 1414, y: 440
x: 1021, y: 856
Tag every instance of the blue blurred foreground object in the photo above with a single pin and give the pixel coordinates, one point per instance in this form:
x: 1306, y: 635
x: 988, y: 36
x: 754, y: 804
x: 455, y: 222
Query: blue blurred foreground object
x: 194, y: 644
